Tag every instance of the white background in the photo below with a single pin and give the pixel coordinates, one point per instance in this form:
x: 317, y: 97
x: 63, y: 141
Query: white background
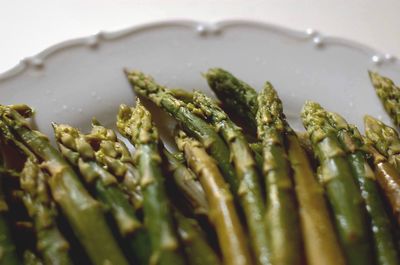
x: 27, y: 27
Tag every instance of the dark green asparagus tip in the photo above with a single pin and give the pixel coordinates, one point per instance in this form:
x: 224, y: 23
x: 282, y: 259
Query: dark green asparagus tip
x: 136, y: 124
x: 219, y: 79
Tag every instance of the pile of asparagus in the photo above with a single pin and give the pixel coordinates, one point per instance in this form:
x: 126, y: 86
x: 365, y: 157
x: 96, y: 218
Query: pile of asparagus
x: 258, y: 193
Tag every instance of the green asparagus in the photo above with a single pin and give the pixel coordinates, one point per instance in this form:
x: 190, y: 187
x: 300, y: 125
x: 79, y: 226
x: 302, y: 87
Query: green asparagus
x: 381, y: 226
x: 84, y: 214
x: 196, y: 247
x: 388, y: 178
x: 114, y: 156
x: 146, y: 86
x: 281, y: 215
x: 249, y: 192
x: 389, y: 95
x: 76, y: 149
x: 136, y: 125
x: 187, y: 183
x: 222, y: 214
x: 51, y: 244
x: 385, y: 139
x: 341, y: 188
x: 320, y: 242
x: 236, y: 96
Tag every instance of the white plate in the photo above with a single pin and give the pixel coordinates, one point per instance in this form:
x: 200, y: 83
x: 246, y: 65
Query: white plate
x: 75, y: 80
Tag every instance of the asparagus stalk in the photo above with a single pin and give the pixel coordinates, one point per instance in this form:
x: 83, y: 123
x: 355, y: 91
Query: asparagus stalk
x: 196, y: 247
x: 51, y: 244
x: 236, y: 96
x: 249, y: 193
x: 388, y: 178
x: 136, y: 125
x: 146, y: 86
x: 385, y: 139
x: 389, y: 94
x: 83, y: 213
x: 114, y: 156
x: 7, y: 246
x: 222, y: 214
x: 281, y: 210
x: 187, y: 183
x: 381, y: 226
x: 320, y: 242
x: 74, y: 146
x: 341, y: 188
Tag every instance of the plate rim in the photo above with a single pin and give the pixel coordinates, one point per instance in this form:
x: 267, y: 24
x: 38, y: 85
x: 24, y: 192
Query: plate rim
x: 200, y: 27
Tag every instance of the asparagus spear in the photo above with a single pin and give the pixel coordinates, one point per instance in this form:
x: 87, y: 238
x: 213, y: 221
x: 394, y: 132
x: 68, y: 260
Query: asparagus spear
x: 222, y: 214
x: 187, y: 182
x: 320, y: 242
x: 389, y: 95
x: 341, y: 188
x: 385, y: 138
x: 8, y: 250
x: 83, y: 213
x: 381, y: 226
x: 136, y: 125
x: 51, y: 244
x: 74, y: 146
x: 281, y: 209
x: 197, y: 250
x: 387, y: 176
x: 249, y: 193
x: 236, y: 96
x: 116, y: 158
x: 146, y: 86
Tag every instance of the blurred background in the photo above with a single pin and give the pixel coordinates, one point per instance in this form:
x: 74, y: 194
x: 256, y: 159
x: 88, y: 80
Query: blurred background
x: 27, y: 27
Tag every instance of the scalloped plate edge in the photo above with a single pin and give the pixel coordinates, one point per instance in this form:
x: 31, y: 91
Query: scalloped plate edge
x: 199, y: 27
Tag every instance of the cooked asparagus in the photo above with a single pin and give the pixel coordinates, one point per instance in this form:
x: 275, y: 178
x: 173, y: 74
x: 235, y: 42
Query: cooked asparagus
x: 388, y: 178
x: 76, y: 149
x: 197, y: 249
x: 249, y: 193
x: 341, y: 188
x: 380, y: 225
x: 84, y: 214
x: 146, y: 86
x: 222, y: 214
x: 320, y: 241
x: 136, y: 125
x: 188, y: 184
x: 51, y: 244
x: 385, y: 139
x: 114, y: 155
x: 389, y: 95
x: 236, y: 96
x: 281, y: 207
